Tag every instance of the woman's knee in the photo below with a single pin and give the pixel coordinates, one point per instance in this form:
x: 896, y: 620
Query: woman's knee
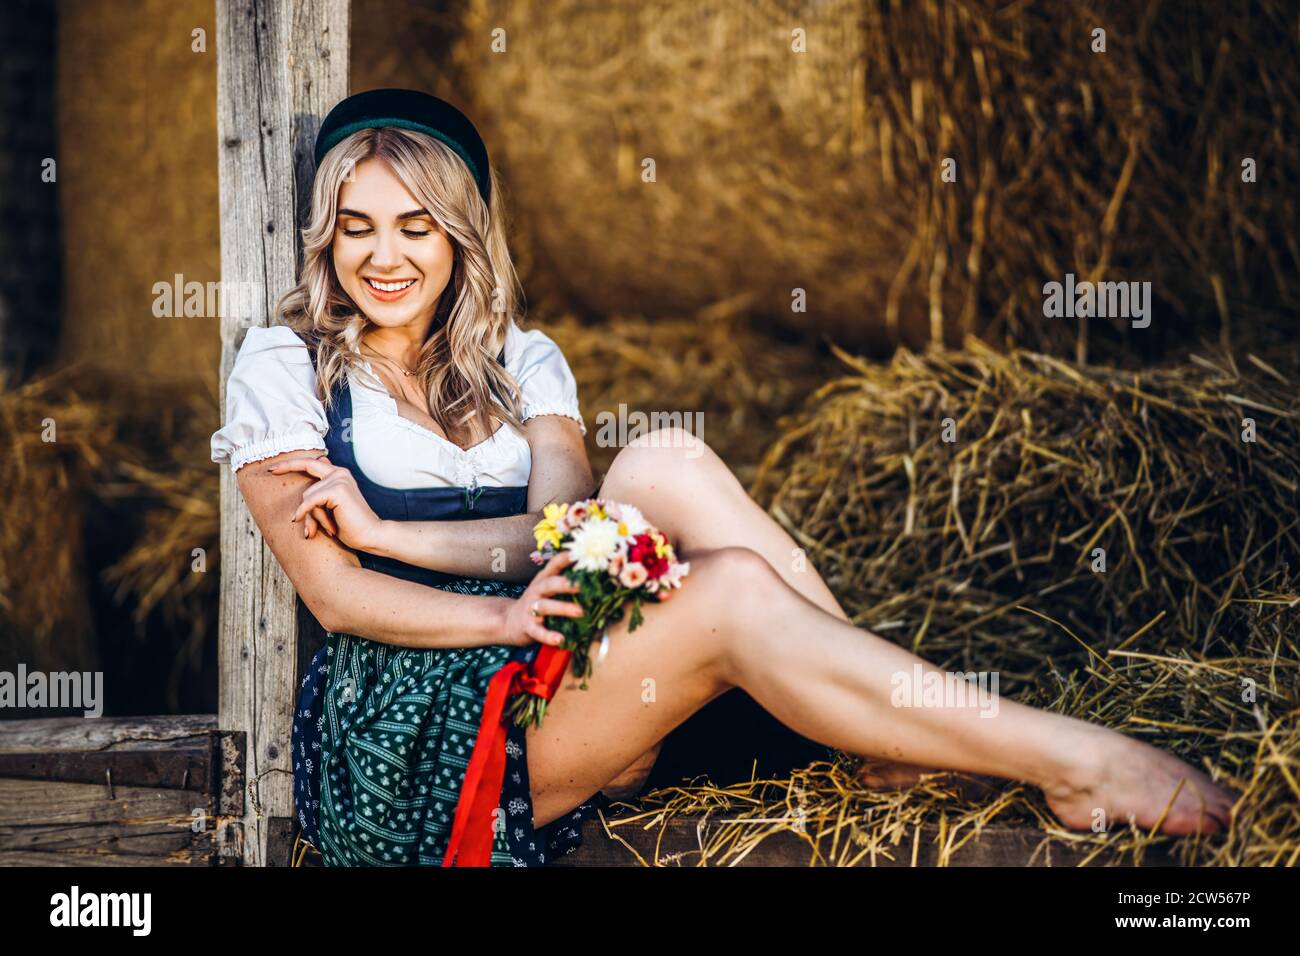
x: 736, y: 584
x: 672, y: 477
x: 660, y: 456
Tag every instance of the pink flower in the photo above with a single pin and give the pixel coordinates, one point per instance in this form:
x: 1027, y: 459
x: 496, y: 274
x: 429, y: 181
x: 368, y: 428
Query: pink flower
x: 615, y: 564
x: 633, y: 575
x: 575, y: 515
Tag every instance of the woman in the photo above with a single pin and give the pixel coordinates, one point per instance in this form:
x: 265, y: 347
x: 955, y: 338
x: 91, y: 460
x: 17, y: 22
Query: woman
x: 407, y: 433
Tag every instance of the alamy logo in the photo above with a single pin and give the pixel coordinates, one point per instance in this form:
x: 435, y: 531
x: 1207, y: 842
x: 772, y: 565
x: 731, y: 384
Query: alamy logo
x: 662, y: 429
x: 58, y: 689
x: 921, y: 688
x: 102, y: 909
x: 1123, y: 300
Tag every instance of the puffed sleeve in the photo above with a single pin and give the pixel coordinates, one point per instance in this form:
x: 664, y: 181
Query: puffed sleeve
x: 271, y: 403
x: 544, y: 377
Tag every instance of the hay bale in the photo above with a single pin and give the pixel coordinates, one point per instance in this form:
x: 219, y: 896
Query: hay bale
x: 128, y: 460
x: 939, y: 540
x: 978, y: 555
x: 53, y: 446
x: 778, y: 170
x: 734, y: 382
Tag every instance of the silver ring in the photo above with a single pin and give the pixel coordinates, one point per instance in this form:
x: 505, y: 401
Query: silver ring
x: 533, y: 609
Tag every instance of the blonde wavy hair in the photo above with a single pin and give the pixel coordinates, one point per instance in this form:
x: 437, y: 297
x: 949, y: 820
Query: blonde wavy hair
x: 457, y: 366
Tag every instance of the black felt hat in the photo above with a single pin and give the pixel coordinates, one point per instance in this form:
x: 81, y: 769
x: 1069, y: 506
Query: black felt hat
x: 408, y: 109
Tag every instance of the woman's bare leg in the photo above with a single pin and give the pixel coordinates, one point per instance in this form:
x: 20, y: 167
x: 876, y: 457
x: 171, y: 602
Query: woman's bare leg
x: 694, y: 498
x: 833, y: 682
x: 691, y: 495
x: 649, y: 682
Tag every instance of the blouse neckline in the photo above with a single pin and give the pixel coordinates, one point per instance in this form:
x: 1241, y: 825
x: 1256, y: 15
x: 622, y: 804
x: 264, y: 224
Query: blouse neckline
x: 391, y: 404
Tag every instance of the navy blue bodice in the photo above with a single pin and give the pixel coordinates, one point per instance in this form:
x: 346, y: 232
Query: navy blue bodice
x: 443, y: 503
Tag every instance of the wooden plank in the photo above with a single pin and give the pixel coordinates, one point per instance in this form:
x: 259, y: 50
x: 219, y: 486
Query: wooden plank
x: 184, y: 768
x: 683, y: 837
x: 79, y: 824
x: 281, y: 65
x: 104, y: 733
x: 228, y: 796
x: 120, y: 792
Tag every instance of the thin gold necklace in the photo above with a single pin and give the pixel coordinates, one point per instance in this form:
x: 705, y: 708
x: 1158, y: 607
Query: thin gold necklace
x: 400, y: 366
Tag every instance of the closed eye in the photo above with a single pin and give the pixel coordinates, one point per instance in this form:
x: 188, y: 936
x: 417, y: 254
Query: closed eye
x: 413, y: 233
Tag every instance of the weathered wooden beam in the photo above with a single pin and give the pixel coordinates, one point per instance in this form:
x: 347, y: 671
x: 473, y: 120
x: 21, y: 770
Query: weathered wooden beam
x: 79, y: 824
x: 120, y: 791
x: 281, y: 64
x: 681, y: 840
x: 182, y: 769
x: 104, y: 733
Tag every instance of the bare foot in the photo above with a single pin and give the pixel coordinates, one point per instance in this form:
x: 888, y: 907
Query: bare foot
x: 1116, y: 779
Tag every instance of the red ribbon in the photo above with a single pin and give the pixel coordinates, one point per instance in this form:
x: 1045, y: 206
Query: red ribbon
x: 472, y: 828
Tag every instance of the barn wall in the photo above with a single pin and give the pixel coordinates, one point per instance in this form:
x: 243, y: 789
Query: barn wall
x: 138, y: 174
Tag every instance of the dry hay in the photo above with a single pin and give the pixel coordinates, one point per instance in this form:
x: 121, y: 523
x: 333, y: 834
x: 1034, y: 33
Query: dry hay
x: 977, y: 555
x: 165, y: 476
x: 135, y: 453
x: 820, y: 170
x: 53, y: 447
x: 738, y: 381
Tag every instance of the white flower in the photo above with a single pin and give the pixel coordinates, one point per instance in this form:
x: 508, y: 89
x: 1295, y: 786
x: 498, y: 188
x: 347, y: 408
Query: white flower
x: 593, y: 544
x: 633, y: 520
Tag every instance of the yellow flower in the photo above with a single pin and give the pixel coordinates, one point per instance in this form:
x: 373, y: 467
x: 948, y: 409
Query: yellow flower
x: 598, y: 511
x: 661, y: 545
x: 545, y: 530
x: 622, y: 529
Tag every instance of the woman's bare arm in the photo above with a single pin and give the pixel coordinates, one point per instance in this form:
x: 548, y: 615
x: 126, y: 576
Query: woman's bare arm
x: 499, y: 547
x: 347, y: 598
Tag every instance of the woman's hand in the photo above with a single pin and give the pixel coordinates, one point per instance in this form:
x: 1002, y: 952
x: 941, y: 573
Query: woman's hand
x: 334, y: 503
x: 522, y: 626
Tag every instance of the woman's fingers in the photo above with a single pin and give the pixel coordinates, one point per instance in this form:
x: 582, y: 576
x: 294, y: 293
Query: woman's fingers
x: 550, y: 608
x: 320, y: 521
x: 326, y: 521
x: 539, y: 633
x: 557, y: 563
x: 319, y: 495
x: 558, y: 584
x: 316, y: 467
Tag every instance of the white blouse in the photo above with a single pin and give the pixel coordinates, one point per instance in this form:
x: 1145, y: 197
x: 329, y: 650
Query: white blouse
x: 271, y: 407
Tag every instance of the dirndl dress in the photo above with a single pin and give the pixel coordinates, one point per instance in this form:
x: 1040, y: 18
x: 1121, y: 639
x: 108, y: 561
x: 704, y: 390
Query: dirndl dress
x: 383, y: 734
x: 390, y: 754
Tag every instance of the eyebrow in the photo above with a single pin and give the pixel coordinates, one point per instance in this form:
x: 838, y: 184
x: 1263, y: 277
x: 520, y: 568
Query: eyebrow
x: 413, y: 214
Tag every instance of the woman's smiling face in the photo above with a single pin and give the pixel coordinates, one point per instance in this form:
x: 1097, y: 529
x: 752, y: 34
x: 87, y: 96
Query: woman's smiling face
x: 390, y: 255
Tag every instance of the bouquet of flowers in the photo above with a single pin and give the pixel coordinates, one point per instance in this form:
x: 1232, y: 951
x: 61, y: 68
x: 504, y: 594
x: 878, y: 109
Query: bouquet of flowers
x: 619, y: 559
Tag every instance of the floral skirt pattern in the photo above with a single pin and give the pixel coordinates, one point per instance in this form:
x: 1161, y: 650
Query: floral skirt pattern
x: 382, y: 737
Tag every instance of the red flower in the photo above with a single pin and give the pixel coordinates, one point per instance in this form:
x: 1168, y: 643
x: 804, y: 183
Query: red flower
x: 642, y: 549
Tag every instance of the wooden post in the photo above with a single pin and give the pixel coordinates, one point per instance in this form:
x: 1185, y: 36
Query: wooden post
x: 281, y: 65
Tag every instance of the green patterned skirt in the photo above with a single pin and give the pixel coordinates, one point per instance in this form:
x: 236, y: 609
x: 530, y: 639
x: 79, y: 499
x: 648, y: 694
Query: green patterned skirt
x: 399, y: 728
